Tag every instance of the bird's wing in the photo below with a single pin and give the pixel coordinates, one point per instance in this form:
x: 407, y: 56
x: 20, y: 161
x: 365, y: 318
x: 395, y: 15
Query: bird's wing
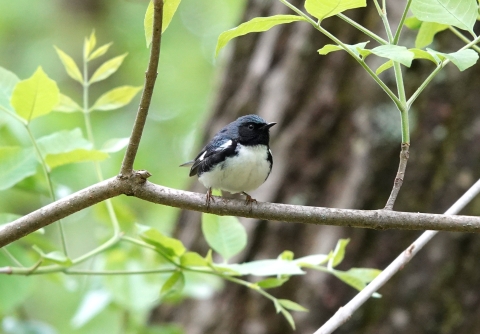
x: 215, y: 152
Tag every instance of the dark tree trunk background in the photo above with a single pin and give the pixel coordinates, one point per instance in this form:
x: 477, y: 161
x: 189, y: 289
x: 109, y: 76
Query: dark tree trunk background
x: 337, y: 144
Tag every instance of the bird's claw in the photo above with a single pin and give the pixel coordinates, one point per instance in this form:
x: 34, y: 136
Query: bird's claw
x: 249, y: 200
x: 209, y: 198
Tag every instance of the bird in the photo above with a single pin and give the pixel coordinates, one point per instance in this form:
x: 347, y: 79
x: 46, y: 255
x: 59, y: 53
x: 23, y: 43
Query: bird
x: 238, y: 159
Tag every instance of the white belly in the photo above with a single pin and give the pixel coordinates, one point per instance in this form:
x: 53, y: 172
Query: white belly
x: 243, y: 172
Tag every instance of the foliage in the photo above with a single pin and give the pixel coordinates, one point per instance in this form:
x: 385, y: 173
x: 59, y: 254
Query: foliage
x: 179, y: 269
x: 432, y: 16
x: 174, y: 272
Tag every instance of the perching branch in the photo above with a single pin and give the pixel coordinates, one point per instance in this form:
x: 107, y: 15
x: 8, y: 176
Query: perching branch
x: 138, y: 186
x: 150, y: 77
x: 397, y: 184
x: 345, y: 312
x: 60, y: 209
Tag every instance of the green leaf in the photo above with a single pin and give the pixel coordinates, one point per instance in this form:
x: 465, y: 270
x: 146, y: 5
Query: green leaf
x: 148, y: 23
x: 289, y: 317
x: 270, y: 267
x: 385, y: 66
x: 62, y: 142
x: 116, y: 98
x: 322, y: 9
x: 55, y: 257
x: 459, y: 13
x: 463, y: 59
x: 269, y: 283
x: 286, y: 255
x: 115, y: 144
x: 209, y: 257
x: 93, y: 303
x: 427, y: 32
x: 394, y: 52
x: 169, y: 246
x: 257, y: 24
x: 35, y: 96
x: 8, y: 81
x: 16, y: 164
x: 422, y: 54
x: 357, y: 278
x: 413, y: 23
x: 225, y: 234
x: 169, y: 9
x: 14, y: 289
x: 78, y: 155
x: 173, y: 285
x: 288, y: 304
x: 313, y: 260
x: 70, y: 65
x: 100, y: 51
x: 338, y: 253
x: 66, y: 104
x: 193, y: 259
x: 355, y: 48
x: 107, y: 69
x: 89, y: 45
x: 278, y: 307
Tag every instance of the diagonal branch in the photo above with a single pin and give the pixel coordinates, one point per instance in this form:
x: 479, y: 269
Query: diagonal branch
x: 345, y: 313
x: 138, y: 186
x: 150, y: 77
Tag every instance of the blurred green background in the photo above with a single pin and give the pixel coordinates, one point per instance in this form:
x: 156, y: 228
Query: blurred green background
x: 184, y: 92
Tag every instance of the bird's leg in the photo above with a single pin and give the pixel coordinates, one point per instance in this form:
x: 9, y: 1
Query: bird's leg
x: 249, y: 200
x: 209, y: 197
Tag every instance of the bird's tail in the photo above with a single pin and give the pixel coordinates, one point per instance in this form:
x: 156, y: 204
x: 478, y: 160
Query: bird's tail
x: 188, y: 163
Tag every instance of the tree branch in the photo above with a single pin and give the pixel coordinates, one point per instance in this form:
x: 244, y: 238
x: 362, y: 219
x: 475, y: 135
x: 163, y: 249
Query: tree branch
x: 345, y: 312
x: 60, y: 209
x: 138, y: 186
x: 150, y: 77
x: 397, y: 184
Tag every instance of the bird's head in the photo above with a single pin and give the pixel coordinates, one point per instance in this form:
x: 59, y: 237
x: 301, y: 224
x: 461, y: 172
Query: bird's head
x: 253, y: 130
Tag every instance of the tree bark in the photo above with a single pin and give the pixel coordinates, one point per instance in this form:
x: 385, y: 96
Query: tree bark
x: 337, y: 144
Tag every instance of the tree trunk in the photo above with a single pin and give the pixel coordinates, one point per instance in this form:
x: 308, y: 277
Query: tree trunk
x: 337, y: 144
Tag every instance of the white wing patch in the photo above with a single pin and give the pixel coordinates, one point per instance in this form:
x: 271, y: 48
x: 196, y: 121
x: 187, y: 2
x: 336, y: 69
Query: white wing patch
x: 224, y: 146
x: 202, y: 156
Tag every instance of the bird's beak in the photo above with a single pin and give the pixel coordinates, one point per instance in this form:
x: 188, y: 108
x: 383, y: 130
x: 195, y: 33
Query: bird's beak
x: 268, y: 126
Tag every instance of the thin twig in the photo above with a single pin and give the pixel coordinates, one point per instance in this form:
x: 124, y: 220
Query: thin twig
x: 397, y: 184
x: 345, y: 312
x: 150, y: 77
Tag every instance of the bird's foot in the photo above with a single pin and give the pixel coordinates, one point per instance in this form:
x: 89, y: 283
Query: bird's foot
x: 249, y: 200
x: 209, y: 198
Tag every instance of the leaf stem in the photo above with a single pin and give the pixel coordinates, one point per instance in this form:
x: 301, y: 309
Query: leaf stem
x: 91, y: 138
x: 463, y: 37
x: 435, y: 72
x: 12, y: 114
x: 50, y: 185
x: 119, y: 272
x: 366, y: 31
x: 58, y: 268
x: 351, y: 53
x: 382, y: 12
x: 11, y: 256
x: 401, y: 23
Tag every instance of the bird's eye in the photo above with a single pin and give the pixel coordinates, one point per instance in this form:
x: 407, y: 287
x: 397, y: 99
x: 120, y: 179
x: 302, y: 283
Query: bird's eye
x: 250, y: 126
